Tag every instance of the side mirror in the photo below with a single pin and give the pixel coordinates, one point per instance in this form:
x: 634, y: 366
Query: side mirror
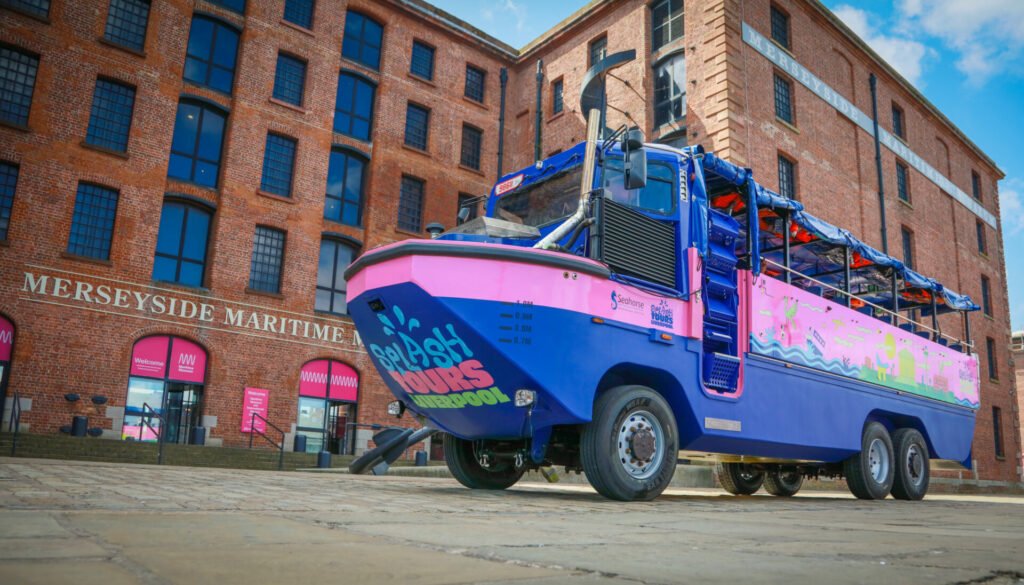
x: 463, y: 215
x: 635, y: 167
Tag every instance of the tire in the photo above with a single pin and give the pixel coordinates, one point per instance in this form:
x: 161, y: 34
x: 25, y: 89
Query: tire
x: 869, y: 473
x: 913, y: 469
x: 629, y: 420
x: 784, y: 484
x: 740, y: 479
x: 462, y: 462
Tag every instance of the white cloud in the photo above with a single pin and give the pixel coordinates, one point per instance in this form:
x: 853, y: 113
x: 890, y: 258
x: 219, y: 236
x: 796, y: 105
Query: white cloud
x: 503, y: 10
x: 904, y: 54
x: 986, y: 35
x: 1011, y: 207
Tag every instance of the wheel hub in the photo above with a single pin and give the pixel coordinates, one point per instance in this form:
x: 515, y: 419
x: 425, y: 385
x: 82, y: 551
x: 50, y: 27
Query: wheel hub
x: 915, y: 464
x: 640, y: 444
x: 878, y: 461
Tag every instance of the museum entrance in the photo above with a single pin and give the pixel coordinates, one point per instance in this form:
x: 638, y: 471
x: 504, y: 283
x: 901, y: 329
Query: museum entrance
x: 165, y: 389
x: 328, y: 392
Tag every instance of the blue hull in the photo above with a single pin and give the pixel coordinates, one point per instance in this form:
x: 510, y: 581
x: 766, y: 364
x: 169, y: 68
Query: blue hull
x: 459, y: 362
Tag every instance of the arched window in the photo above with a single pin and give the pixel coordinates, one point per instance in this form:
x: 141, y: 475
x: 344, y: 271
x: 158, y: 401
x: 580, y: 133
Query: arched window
x: 345, y: 180
x: 197, y: 143
x: 166, y: 377
x: 181, y: 244
x: 328, y: 391
x: 335, y: 256
x: 212, y: 52
x: 362, y: 40
x: 353, y: 106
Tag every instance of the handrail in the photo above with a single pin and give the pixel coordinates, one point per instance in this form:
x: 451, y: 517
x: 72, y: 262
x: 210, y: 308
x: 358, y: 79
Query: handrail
x: 935, y: 332
x: 253, y: 430
x: 158, y: 431
x: 15, y: 423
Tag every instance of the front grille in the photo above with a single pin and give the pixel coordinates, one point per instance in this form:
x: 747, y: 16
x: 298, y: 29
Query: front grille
x: 636, y: 245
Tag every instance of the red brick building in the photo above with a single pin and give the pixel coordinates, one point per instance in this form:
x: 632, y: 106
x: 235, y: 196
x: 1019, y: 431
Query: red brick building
x: 193, y: 175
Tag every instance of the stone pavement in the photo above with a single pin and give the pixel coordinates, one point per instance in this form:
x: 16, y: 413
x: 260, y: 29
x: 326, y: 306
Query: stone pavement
x: 102, y: 523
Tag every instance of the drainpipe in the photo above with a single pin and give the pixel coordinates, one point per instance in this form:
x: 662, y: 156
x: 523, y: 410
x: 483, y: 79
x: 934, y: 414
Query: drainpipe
x: 540, y: 113
x: 503, y: 77
x: 878, y: 162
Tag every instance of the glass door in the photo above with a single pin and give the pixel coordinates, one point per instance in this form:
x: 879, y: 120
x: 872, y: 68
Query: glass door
x: 340, y: 434
x: 312, y: 415
x: 181, y: 411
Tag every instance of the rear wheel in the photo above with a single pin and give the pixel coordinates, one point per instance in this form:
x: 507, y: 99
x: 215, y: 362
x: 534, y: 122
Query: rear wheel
x: 912, y: 465
x: 629, y: 449
x: 869, y: 474
x: 783, y: 483
x: 740, y: 479
x: 465, y: 466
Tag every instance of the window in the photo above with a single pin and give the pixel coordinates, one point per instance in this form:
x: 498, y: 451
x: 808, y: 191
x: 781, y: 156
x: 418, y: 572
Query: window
x: 417, y: 126
x: 472, y: 138
x: 40, y: 8
x: 787, y: 177
x: 783, y: 99
x: 469, y: 201
x: 233, y: 5
x: 908, y: 247
x: 670, y: 91
x: 299, y: 12
x: 422, y: 62
x: 335, y: 257
x: 8, y: 184
x: 780, y: 26
x: 92, y: 225
x: 475, y: 83
x: 181, y: 244
x: 362, y: 42
x: 986, y: 296
x: 990, y: 349
x: 980, y: 229
x: 556, y: 96
x: 289, y: 79
x: 267, y: 259
x: 196, y: 146
x: 997, y: 431
x: 658, y: 196
x: 278, y: 163
x: 898, y: 124
x: 410, y: 205
x: 212, y: 50
x: 345, y: 179
x: 598, y: 50
x: 902, y: 182
x: 17, y: 81
x: 111, y: 117
x: 353, y: 107
x: 667, y: 22
x: 126, y: 23
x: 976, y: 185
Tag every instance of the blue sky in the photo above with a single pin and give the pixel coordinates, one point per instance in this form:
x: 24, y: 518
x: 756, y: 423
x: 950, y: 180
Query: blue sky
x: 966, y: 56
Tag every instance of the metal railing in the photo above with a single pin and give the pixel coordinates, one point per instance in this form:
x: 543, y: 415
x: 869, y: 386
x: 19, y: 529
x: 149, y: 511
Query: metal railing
x: 14, y: 425
x: 936, y: 334
x: 254, y: 431
x: 148, y: 412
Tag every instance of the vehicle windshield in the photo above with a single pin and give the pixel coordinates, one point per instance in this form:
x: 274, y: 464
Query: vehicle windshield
x: 544, y: 202
x: 657, y: 196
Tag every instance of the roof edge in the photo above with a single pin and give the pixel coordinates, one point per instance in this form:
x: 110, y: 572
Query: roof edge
x: 891, y: 71
x: 451, y: 21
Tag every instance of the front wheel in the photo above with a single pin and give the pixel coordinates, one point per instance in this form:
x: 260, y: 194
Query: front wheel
x: 465, y: 466
x: 629, y: 449
x: 740, y: 479
x: 869, y: 474
x: 784, y: 484
x: 912, y: 465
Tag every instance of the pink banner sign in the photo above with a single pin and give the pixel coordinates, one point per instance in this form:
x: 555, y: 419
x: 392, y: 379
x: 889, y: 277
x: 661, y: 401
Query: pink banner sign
x: 313, y: 379
x: 6, y: 339
x: 188, y: 362
x: 344, y: 383
x: 149, y: 357
x: 255, y: 400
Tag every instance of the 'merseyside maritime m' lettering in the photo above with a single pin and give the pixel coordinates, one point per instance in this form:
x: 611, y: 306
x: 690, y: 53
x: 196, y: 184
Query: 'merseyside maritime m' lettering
x: 161, y: 305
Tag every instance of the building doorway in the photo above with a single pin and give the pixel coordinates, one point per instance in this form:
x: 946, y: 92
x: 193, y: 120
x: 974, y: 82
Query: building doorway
x: 165, y: 389
x: 328, y: 394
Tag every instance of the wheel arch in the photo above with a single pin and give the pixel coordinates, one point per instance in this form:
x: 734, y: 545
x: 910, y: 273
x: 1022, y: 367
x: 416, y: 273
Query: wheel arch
x: 660, y: 381
x: 893, y: 421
